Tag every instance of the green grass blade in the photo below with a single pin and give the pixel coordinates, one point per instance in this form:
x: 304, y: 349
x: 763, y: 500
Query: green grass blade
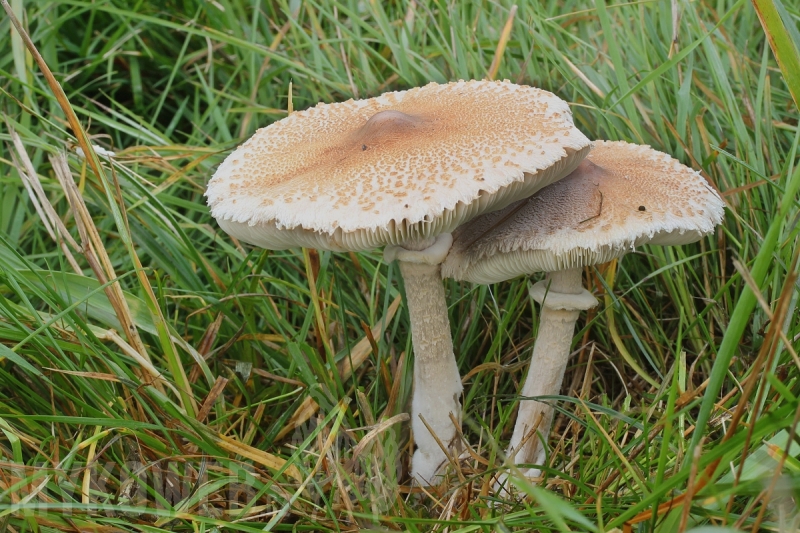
x: 742, y: 314
x: 784, y: 39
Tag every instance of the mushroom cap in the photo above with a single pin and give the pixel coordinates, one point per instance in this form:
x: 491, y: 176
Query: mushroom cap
x: 621, y: 196
x: 394, y: 169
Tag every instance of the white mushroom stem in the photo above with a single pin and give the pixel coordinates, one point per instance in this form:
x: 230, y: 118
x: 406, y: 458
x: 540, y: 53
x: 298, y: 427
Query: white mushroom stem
x: 437, y: 383
x: 562, y: 297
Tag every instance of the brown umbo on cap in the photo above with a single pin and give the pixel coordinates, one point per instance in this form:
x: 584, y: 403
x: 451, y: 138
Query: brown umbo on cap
x: 399, y: 168
x: 621, y: 196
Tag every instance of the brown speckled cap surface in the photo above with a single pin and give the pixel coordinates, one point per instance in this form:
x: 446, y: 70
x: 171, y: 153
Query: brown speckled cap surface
x: 394, y: 169
x: 621, y: 196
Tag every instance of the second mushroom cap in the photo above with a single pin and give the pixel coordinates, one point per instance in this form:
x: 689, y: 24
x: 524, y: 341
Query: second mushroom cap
x: 621, y: 196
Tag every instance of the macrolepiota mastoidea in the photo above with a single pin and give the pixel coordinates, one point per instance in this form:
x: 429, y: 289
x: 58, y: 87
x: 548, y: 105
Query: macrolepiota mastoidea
x: 620, y: 197
x: 403, y: 169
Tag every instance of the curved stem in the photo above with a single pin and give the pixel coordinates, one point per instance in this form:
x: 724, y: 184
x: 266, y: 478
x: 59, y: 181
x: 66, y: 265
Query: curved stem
x: 563, y: 299
x: 437, y: 383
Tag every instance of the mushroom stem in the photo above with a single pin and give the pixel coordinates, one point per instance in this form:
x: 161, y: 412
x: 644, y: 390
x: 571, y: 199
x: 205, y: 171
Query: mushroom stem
x: 437, y: 383
x: 562, y: 298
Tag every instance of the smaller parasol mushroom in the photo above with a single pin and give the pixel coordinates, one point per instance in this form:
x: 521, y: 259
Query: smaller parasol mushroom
x: 621, y: 196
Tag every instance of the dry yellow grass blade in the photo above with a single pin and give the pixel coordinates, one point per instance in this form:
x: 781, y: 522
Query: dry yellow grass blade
x: 41, y: 202
x: 273, y: 462
x: 379, y: 428
x: 87, y: 475
x: 95, y: 253
x: 156, y: 379
x: 501, y: 43
x: 358, y: 355
x: 88, y: 375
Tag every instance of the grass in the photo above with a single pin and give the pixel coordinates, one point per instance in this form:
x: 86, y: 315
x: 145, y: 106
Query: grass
x: 157, y: 374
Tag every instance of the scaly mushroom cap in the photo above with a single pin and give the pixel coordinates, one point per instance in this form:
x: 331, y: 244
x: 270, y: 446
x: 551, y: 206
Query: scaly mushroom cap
x: 621, y: 196
x: 394, y: 169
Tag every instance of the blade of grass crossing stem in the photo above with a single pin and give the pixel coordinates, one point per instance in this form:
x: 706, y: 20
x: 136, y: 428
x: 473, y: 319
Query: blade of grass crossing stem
x: 176, y: 368
x: 784, y: 40
x: 741, y: 314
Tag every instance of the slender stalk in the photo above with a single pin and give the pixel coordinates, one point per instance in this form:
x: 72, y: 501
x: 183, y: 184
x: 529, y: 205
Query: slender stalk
x: 563, y: 298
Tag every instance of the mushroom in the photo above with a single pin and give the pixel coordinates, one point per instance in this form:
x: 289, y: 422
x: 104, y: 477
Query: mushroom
x: 621, y: 196
x: 403, y: 169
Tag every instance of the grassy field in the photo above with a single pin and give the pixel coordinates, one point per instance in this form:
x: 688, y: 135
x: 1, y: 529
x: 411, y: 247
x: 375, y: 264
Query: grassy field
x: 157, y: 374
